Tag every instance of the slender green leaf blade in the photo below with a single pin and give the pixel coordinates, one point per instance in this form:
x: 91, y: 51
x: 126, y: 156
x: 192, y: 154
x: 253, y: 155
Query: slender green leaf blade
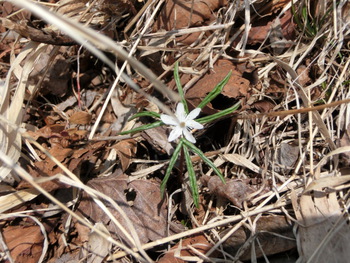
x: 191, y: 176
x: 219, y: 114
x: 171, y: 166
x: 179, y: 86
x: 143, y: 127
x: 204, y: 158
x: 216, y: 91
x: 145, y: 114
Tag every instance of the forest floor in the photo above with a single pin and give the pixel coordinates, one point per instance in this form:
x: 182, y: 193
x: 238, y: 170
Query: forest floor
x: 76, y: 186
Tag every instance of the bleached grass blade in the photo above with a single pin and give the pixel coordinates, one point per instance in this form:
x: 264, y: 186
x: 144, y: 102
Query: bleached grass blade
x: 242, y: 161
x: 12, y: 200
x: 12, y: 107
x: 144, y: 172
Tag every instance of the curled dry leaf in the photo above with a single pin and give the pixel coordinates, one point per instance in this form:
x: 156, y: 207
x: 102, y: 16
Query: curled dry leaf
x: 236, y: 191
x: 181, y: 249
x: 126, y: 150
x: 287, y: 155
x: 140, y: 200
x: 80, y: 118
x: 263, y: 106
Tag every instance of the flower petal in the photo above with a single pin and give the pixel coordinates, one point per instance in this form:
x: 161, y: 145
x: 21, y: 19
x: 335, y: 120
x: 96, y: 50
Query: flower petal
x: 189, y: 136
x: 194, y: 125
x: 175, y: 133
x: 169, y: 120
x: 193, y: 114
x: 180, y: 112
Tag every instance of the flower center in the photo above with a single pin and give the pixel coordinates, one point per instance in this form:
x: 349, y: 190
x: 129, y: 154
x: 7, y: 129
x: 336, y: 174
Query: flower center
x: 182, y: 124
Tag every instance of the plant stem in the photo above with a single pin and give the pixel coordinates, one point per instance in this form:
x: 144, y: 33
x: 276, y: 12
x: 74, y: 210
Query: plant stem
x: 181, y: 166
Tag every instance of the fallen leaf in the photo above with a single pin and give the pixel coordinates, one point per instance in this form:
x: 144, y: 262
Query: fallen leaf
x: 234, y: 190
x: 80, y: 118
x: 24, y: 243
x: 178, y: 14
x: 126, y: 150
x: 98, y: 247
x: 287, y: 155
x: 263, y: 106
x: 261, y: 28
x: 181, y: 249
x: 141, y: 201
x: 236, y: 87
x: 264, y: 8
x: 303, y: 75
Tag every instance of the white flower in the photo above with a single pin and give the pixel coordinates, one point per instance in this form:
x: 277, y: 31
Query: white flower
x: 183, y: 123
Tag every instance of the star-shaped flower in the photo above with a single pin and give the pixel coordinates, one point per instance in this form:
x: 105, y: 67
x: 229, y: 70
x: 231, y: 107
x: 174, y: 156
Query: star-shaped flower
x: 183, y: 123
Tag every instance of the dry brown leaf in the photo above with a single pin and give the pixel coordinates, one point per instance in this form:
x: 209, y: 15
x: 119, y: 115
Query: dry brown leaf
x: 8, y: 8
x: 234, y: 190
x: 303, y: 75
x: 177, y: 15
x: 287, y: 155
x: 126, y: 150
x: 25, y: 243
x: 140, y: 200
x: 263, y: 106
x: 236, y: 87
x: 41, y: 170
x: 181, y: 249
x: 80, y: 118
x: 261, y: 29
x: 46, y: 131
x: 72, y: 159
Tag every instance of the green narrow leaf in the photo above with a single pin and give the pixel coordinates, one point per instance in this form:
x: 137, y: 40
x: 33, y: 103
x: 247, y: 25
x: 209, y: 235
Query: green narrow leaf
x: 219, y: 114
x: 179, y: 86
x: 191, y: 176
x: 145, y: 114
x: 171, y: 166
x: 216, y: 91
x: 204, y: 158
x: 143, y: 127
